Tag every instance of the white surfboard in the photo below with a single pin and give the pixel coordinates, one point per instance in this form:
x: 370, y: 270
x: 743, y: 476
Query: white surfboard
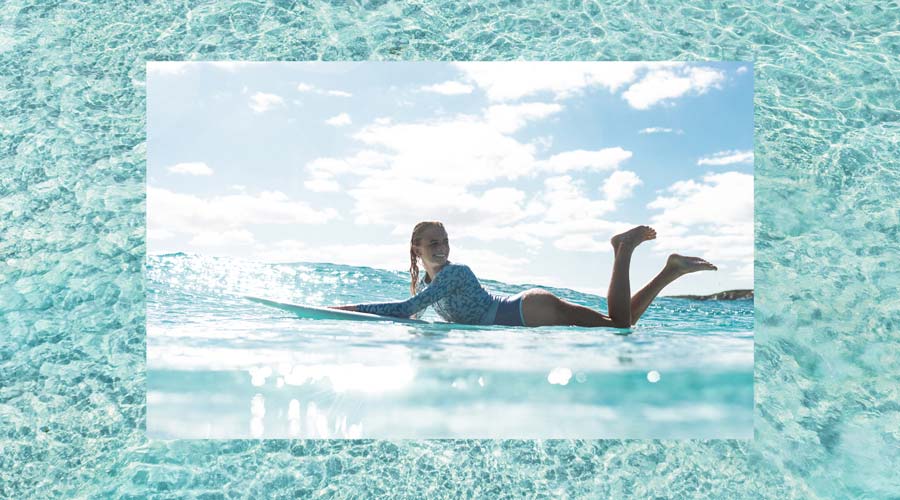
x: 313, y: 312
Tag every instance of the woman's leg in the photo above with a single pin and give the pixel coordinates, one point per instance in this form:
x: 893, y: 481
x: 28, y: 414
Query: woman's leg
x: 676, y: 267
x: 618, y: 298
x: 542, y: 308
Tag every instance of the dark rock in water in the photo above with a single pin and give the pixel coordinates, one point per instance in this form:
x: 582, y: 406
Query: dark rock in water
x: 727, y: 295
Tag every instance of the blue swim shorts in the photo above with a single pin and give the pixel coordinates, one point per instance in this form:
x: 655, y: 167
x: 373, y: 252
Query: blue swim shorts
x: 509, y: 311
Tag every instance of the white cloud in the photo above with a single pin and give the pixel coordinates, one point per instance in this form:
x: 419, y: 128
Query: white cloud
x: 564, y: 200
x: 497, y: 266
x: 462, y: 151
x: 504, y: 196
x: 712, y: 218
x: 434, y: 170
x: 704, y: 242
x: 727, y: 158
x: 183, y: 213
x: 663, y: 84
x: 744, y: 272
x: 339, y: 120
x: 448, y: 88
x: 509, y: 118
x: 261, y: 102
x: 703, y: 79
x: 545, y: 229
x: 158, y: 234
x: 361, y: 163
x: 392, y: 200
x: 582, y: 243
x: 305, y: 87
x: 544, y: 142
x: 720, y: 199
x: 647, y: 83
x: 191, y: 168
x: 620, y: 184
x: 515, y: 80
x: 322, y: 185
x: 741, y: 70
x: 491, y: 231
x: 660, y: 130
x: 604, y: 159
x: 222, y: 239
x: 323, y: 171
x: 654, y: 130
x: 562, y: 212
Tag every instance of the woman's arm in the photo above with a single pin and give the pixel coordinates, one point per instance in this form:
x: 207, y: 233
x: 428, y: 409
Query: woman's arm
x: 445, y: 283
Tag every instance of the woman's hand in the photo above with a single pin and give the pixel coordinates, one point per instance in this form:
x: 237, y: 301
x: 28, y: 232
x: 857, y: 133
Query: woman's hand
x: 344, y: 308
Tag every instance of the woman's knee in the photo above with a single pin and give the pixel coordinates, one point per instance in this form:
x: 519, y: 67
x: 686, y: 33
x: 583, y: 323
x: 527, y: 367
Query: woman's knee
x: 620, y: 322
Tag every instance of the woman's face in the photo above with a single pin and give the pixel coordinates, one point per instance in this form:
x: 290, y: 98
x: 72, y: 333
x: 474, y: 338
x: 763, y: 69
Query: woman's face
x: 434, y: 246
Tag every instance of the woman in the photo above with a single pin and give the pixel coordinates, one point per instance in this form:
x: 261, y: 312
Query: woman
x: 458, y: 297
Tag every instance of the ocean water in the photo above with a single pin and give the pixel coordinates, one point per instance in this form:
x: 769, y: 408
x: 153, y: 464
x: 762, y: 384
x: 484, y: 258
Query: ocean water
x: 73, y: 414
x: 220, y: 366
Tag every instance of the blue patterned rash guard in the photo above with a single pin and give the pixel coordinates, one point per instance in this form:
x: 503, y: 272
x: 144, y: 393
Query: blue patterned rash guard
x: 455, y: 293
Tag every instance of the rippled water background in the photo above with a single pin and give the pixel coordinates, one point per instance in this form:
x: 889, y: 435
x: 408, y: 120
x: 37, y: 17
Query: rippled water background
x: 220, y: 366
x: 72, y: 298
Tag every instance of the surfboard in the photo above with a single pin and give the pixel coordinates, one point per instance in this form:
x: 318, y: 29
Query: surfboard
x: 313, y: 312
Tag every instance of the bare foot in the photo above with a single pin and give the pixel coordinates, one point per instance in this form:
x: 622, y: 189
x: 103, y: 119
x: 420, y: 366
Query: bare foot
x: 633, y: 237
x: 680, y: 265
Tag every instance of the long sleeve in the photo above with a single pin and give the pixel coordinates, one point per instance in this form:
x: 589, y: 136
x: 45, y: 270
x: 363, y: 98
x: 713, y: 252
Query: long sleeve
x: 448, y: 281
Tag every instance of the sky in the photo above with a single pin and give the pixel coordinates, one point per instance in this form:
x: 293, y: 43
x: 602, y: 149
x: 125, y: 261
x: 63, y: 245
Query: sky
x: 531, y: 166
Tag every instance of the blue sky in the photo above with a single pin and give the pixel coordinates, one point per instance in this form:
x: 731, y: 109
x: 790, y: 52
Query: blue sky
x: 531, y: 166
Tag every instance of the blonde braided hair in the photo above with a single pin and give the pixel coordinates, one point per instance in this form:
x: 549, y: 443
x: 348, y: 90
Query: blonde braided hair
x: 414, y: 241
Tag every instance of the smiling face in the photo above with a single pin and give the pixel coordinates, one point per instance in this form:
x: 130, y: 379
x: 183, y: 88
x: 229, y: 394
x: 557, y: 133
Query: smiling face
x: 433, y: 246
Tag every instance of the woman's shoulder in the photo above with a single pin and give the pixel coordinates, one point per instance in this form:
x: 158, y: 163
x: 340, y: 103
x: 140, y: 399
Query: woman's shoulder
x: 454, y: 269
x: 457, y: 266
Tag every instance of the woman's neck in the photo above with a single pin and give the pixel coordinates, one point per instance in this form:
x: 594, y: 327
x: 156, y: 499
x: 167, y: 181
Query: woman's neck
x: 432, y: 270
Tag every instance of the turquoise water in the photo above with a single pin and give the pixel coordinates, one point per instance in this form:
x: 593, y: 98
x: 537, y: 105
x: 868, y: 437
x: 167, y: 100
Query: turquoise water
x: 72, y: 248
x: 219, y: 366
